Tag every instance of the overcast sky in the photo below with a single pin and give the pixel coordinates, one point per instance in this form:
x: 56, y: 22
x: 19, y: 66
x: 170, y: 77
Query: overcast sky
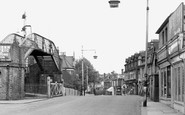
x: 116, y: 34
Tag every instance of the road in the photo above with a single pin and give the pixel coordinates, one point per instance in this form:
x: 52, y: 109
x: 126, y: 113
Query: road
x: 77, y: 105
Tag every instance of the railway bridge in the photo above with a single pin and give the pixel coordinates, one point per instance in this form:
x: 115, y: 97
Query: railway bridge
x: 25, y: 64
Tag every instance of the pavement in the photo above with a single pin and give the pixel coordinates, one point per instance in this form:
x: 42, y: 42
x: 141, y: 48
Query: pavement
x: 23, y: 101
x: 157, y: 108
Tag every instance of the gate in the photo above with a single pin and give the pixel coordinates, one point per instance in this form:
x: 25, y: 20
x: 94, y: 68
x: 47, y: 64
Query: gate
x: 57, y: 89
x: 54, y: 89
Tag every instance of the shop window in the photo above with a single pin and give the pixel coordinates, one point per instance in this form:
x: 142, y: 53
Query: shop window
x: 179, y: 82
x: 179, y: 88
x: 175, y: 76
x: 165, y: 87
x: 168, y: 82
x: 183, y: 84
x: 161, y: 83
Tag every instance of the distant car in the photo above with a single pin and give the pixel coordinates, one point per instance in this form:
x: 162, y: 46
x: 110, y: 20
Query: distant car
x: 118, y: 90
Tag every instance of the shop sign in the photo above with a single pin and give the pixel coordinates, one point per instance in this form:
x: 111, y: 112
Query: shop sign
x: 5, y: 53
x: 176, y: 21
x: 176, y: 45
x: 162, y: 55
x: 130, y: 76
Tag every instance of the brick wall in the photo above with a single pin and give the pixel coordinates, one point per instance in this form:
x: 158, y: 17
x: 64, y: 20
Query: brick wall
x: 3, y: 82
x: 12, y: 76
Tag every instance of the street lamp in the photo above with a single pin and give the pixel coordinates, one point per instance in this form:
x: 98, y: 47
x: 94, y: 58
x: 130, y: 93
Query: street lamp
x: 95, y: 57
x: 113, y: 4
x: 146, y: 75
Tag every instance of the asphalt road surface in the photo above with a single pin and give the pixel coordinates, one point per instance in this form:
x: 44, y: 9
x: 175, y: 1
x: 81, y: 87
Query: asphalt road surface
x: 77, y: 105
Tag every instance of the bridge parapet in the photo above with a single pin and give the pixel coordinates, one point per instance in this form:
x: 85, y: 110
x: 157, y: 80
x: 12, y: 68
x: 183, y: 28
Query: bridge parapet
x: 12, y: 38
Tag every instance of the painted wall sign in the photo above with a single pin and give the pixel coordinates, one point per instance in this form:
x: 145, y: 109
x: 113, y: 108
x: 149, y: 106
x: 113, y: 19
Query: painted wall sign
x: 162, y: 55
x: 176, y: 45
x: 176, y: 21
x: 5, y: 52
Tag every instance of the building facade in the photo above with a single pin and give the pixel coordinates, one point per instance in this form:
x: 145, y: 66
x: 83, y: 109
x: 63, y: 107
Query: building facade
x: 141, y: 78
x: 171, y: 55
x: 134, y: 71
x: 131, y: 73
x: 153, y: 76
x: 152, y: 73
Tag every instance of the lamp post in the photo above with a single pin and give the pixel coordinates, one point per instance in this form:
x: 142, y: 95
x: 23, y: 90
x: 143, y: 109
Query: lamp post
x: 95, y: 57
x: 146, y: 68
x: 113, y: 4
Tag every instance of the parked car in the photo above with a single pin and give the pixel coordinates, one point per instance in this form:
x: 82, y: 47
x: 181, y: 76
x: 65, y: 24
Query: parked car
x: 118, y: 90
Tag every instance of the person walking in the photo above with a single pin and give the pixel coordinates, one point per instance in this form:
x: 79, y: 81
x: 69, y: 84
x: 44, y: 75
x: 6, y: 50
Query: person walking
x: 124, y: 89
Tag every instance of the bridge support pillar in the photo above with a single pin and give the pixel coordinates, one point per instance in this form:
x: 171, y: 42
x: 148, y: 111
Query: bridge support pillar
x: 12, y: 73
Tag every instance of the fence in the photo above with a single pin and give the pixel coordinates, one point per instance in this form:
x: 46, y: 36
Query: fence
x: 69, y: 91
x: 58, y: 89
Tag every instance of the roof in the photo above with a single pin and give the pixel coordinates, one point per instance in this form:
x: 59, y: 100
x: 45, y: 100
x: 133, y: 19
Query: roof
x: 67, y: 62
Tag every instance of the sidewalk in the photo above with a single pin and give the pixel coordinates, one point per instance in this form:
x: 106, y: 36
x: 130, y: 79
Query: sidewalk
x: 29, y: 98
x: 157, y: 108
x: 23, y: 101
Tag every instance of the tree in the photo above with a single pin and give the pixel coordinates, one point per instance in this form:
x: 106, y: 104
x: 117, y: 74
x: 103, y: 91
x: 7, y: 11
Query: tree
x: 88, y: 68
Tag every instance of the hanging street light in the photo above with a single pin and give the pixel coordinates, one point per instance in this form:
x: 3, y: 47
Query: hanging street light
x: 114, y: 3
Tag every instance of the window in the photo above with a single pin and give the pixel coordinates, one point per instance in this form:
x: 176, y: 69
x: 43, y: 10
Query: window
x: 161, y: 83
x: 178, y: 82
x: 175, y: 76
x: 183, y: 84
x: 179, y: 88
x: 163, y: 39
x: 165, y: 87
x: 166, y: 34
x: 168, y: 81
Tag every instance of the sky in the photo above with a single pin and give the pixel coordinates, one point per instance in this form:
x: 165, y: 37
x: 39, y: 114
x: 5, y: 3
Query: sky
x: 115, y: 33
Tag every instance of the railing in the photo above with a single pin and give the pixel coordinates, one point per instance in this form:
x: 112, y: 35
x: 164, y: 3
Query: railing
x: 47, y: 46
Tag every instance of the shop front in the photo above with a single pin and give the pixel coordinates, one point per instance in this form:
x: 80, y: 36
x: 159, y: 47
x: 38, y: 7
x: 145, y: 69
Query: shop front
x: 131, y: 82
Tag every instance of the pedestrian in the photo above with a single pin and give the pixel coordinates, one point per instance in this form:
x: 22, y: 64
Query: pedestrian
x: 124, y: 89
